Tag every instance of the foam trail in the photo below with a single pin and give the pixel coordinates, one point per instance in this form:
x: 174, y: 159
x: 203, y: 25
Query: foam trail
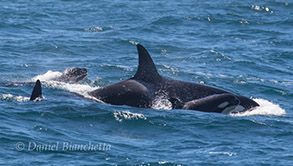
x: 10, y: 97
x: 266, y: 108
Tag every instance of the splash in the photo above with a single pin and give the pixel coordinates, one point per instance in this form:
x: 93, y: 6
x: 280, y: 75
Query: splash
x: 10, y: 97
x: 266, y: 108
x: 50, y: 75
x: 47, y: 79
x: 161, y: 103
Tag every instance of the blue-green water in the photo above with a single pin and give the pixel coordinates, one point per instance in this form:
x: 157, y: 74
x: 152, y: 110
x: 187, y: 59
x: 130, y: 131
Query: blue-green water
x: 243, y: 47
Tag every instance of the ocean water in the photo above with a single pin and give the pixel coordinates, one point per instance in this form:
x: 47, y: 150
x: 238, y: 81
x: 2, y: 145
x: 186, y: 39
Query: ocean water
x: 240, y: 46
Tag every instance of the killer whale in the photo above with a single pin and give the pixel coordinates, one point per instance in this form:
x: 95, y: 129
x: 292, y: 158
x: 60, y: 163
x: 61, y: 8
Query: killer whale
x: 147, y: 84
x: 72, y: 75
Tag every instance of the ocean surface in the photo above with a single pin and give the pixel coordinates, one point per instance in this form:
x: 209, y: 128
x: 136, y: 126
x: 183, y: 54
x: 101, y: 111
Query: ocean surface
x: 245, y: 47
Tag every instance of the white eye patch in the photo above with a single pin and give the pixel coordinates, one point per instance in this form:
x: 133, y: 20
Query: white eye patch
x: 233, y: 109
x: 223, y: 105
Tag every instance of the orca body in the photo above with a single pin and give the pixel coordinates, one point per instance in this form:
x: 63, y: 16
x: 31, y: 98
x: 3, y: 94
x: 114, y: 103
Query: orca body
x: 146, y: 85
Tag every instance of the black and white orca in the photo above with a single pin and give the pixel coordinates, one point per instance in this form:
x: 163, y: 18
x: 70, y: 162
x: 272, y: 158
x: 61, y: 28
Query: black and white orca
x: 147, y: 84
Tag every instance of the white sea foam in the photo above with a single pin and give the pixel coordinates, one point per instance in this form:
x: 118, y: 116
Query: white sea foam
x: 218, y: 153
x: 223, y: 153
x: 266, y: 108
x: 126, y: 115
x: 10, y: 97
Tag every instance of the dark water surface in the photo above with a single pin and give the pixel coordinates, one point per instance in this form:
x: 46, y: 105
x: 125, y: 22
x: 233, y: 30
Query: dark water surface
x: 242, y: 47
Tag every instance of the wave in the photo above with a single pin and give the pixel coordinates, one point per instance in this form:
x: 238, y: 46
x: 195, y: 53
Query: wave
x: 265, y: 108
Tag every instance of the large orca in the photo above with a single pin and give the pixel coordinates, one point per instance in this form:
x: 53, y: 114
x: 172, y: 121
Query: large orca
x: 147, y: 85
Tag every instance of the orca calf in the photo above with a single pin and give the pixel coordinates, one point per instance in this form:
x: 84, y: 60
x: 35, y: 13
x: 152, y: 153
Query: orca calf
x: 72, y: 75
x: 147, y: 85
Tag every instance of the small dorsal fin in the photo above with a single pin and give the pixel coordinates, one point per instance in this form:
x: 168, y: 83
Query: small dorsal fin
x: 146, y: 70
x: 37, y: 92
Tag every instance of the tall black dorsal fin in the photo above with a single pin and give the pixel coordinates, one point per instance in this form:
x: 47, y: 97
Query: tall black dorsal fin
x: 146, y: 70
x: 37, y: 92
